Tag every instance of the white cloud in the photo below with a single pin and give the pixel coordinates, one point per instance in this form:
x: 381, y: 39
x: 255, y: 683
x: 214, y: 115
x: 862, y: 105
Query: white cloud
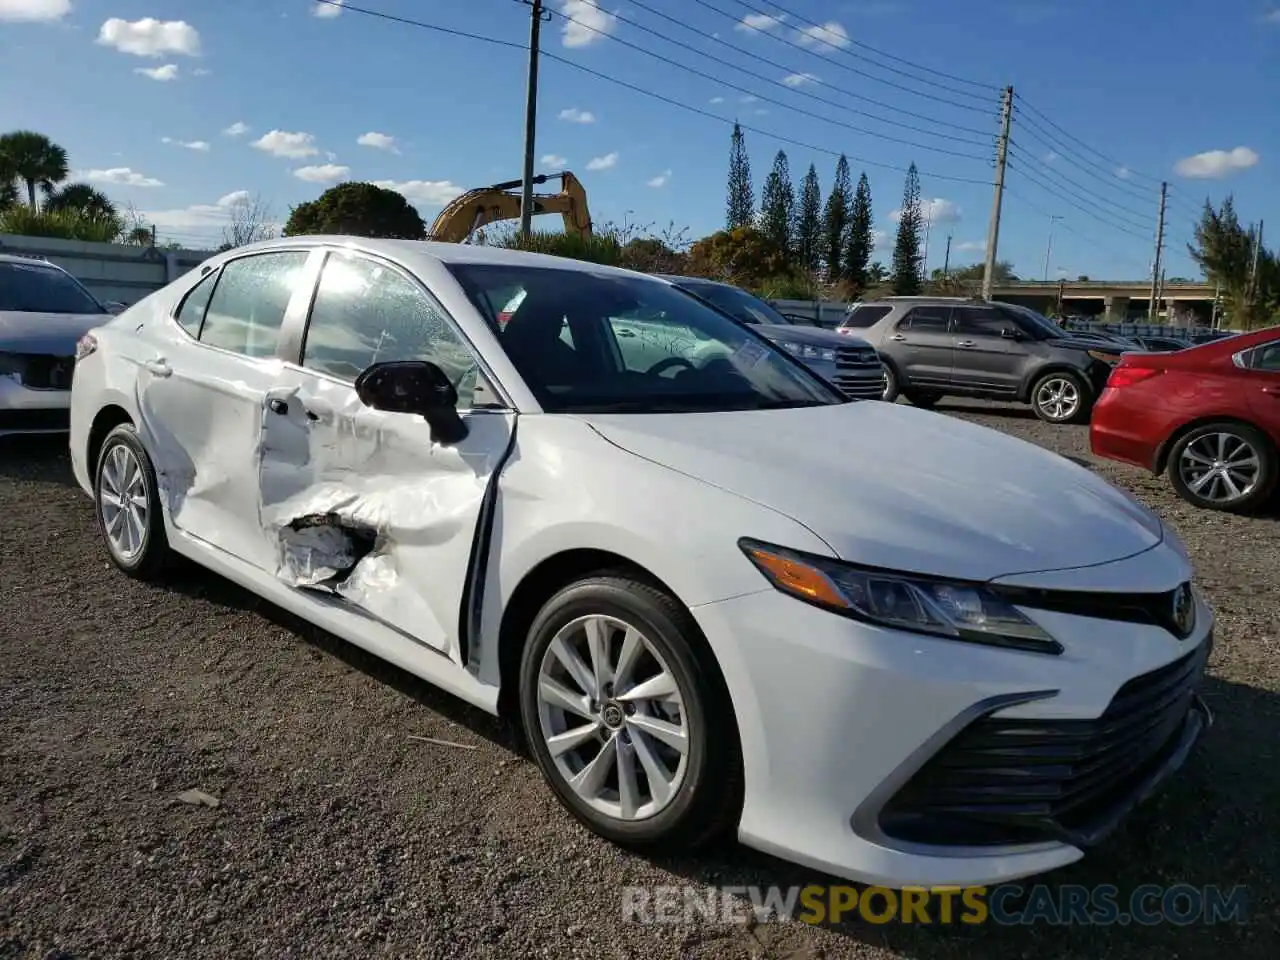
x: 799, y: 79
x: 830, y: 34
x: 323, y: 173
x: 574, y: 115
x: 34, y: 11
x: 202, y: 146
x: 554, y: 161
x: 1124, y: 173
x: 327, y: 11
x: 1271, y: 16
x: 879, y: 238
x: 754, y: 22
x: 164, y: 74
x: 121, y: 176
x: 281, y: 143
x: 379, y: 141
x: 585, y: 22
x: 201, y: 72
x: 717, y: 99
x: 1214, y: 164
x: 607, y: 162
x: 150, y: 37
x: 200, y: 216
x: 237, y: 129
x: 748, y: 99
x: 971, y: 246
x: 1050, y: 157
x: 934, y: 211
x: 427, y: 193
x: 661, y: 179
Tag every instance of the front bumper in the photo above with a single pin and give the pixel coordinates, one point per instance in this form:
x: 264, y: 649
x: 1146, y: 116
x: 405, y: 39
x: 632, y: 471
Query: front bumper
x: 24, y: 410
x: 843, y: 724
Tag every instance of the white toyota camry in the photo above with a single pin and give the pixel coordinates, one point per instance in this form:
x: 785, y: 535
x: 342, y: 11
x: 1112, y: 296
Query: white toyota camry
x: 874, y: 640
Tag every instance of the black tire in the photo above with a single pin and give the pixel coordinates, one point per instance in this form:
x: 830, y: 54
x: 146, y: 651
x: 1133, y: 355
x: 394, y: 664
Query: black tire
x: 924, y: 399
x: 892, y: 384
x: 154, y: 554
x: 708, y: 801
x: 1044, y: 408
x: 1268, y: 471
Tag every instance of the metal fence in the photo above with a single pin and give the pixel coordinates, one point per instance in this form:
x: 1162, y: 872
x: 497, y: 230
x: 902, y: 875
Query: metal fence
x: 110, y: 271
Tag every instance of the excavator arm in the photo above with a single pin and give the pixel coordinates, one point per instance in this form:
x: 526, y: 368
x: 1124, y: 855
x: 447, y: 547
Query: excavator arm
x: 484, y: 205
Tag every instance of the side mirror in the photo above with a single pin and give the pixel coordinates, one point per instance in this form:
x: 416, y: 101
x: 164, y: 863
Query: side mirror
x: 115, y: 307
x: 414, y: 386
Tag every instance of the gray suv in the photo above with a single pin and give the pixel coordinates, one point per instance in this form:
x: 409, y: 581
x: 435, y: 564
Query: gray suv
x: 849, y: 362
x: 932, y: 347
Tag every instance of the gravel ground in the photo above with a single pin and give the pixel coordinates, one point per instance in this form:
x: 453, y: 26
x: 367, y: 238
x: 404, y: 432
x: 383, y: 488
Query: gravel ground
x: 338, y: 835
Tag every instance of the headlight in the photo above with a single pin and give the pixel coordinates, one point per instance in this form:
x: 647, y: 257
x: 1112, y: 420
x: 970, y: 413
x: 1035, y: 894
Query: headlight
x: 967, y: 612
x: 808, y: 352
x: 1108, y: 358
x: 11, y: 365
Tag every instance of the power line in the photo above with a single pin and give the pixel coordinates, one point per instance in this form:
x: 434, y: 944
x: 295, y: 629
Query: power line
x: 1049, y: 189
x: 751, y: 93
x: 817, y: 32
x: 1066, y: 183
x: 1067, y: 227
x: 1110, y: 178
x: 462, y: 34
x: 779, y: 66
x: 989, y: 87
x: 1112, y: 162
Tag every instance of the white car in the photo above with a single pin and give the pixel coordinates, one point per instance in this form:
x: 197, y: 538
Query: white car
x: 921, y: 653
x: 43, y: 312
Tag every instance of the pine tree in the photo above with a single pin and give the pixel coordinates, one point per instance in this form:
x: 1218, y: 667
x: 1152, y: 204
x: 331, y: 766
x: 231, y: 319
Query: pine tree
x: 906, y: 249
x: 778, y: 206
x: 809, y: 223
x: 835, y: 219
x: 742, y: 201
x: 861, y: 240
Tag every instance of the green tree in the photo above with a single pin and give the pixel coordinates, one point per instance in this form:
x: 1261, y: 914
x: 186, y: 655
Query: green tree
x: 835, y: 219
x: 357, y: 209
x: 876, y: 274
x: 809, y: 223
x: 742, y: 255
x: 741, y: 205
x: 861, y: 239
x: 906, y: 248
x: 778, y: 205
x: 82, y: 197
x: 34, y: 159
x: 1224, y: 251
x: 8, y: 182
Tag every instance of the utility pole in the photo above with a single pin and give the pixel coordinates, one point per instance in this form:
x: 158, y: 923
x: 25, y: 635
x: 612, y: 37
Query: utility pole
x: 946, y: 261
x: 1155, y: 266
x: 530, y: 117
x: 1002, y: 160
x: 1048, y: 250
x: 1253, y: 269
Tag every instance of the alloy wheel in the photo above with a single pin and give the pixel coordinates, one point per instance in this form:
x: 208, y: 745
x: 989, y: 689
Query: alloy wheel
x: 1220, y: 467
x: 123, y: 503
x: 612, y: 717
x: 1058, y: 398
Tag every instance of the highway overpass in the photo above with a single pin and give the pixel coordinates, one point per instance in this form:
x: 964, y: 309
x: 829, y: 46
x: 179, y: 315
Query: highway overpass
x: 1184, y: 304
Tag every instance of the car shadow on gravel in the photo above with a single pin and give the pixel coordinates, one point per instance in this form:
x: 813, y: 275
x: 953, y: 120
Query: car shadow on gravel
x: 1212, y: 826
x: 1008, y: 411
x: 36, y: 459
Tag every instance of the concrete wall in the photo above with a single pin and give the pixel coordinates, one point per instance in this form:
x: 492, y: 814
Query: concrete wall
x: 111, y: 271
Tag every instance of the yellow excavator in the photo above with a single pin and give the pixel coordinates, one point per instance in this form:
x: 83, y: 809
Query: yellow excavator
x: 475, y: 208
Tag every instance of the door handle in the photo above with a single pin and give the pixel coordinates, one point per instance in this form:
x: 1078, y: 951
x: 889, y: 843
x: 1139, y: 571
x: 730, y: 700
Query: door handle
x: 897, y: 336
x: 964, y: 343
x: 159, y: 367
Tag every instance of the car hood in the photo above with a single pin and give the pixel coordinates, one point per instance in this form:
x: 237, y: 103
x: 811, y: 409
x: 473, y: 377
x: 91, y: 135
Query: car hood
x: 900, y: 488
x: 48, y: 333
x: 807, y: 336
x: 1071, y: 343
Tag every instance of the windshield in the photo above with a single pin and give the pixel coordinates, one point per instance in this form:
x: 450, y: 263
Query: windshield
x: 601, y: 342
x: 36, y: 288
x: 737, y: 303
x: 1040, y: 324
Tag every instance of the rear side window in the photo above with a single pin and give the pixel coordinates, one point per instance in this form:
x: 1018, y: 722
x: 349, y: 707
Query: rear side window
x: 863, y: 317
x: 925, y: 320
x: 248, y: 304
x: 191, y: 314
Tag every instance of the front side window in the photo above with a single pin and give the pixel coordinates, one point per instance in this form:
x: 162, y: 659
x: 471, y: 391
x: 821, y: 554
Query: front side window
x: 980, y: 321
x: 38, y: 288
x: 1267, y: 358
x: 738, y: 303
x: 636, y: 345
x: 365, y: 312
x: 248, y: 304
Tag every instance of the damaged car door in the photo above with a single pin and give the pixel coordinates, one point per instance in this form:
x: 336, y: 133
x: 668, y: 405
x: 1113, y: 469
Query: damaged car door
x: 362, y: 504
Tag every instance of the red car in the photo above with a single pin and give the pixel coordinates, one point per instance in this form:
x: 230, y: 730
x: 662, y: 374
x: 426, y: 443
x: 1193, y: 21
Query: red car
x: 1208, y: 415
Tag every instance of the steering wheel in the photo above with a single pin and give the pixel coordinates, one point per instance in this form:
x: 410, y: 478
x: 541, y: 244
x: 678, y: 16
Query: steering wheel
x: 665, y: 364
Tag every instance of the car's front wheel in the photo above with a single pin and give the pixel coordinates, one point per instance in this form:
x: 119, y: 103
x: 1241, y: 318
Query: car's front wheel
x: 1224, y: 466
x: 924, y: 399
x: 628, y: 717
x: 892, y: 384
x: 128, y: 504
x: 1061, y: 397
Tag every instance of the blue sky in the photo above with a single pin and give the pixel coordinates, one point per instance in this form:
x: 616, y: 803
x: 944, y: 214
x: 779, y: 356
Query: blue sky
x: 178, y: 106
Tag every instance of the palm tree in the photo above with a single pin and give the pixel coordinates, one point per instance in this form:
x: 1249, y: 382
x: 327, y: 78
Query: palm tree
x: 83, y: 198
x: 35, y: 160
x: 8, y: 183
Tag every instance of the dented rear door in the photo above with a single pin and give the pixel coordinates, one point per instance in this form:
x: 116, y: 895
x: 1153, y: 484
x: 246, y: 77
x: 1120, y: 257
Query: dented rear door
x: 363, y: 505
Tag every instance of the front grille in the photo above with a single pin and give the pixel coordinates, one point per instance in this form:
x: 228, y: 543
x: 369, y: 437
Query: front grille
x: 856, y: 358
x: 43, y: 372
x: 1009, y: 781
x: 861, y: 388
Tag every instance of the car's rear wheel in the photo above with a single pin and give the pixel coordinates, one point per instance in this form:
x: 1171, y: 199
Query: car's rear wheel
x: 128, y: 505
x: 1224, y: 466
x: 1061, y: 397
x: 892, y: 384
x: 628, y: 717
x: 924, y: 399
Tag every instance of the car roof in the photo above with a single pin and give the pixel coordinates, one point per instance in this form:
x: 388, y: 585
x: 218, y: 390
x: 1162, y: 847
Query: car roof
x: 407, y: 251
x: 29, y: 261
